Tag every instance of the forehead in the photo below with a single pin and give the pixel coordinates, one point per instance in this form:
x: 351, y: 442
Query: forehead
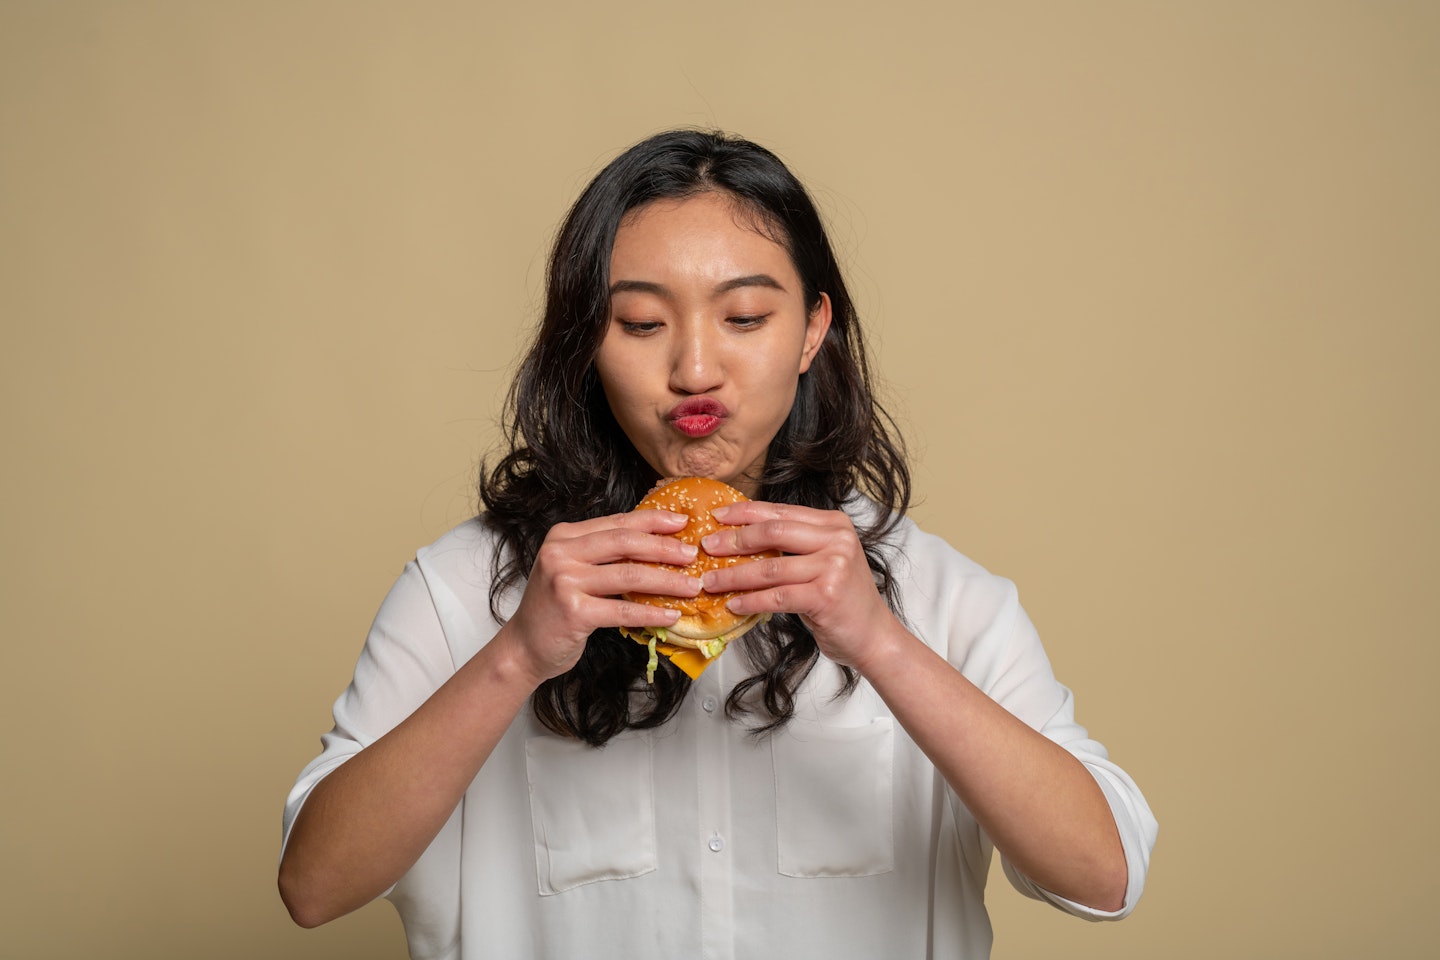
x: 709, y: 228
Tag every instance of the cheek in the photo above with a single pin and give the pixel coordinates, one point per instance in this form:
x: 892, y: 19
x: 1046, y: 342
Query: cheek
x: 772, y: 391
x: 779, y: 373
x: 624, y: 389
x: 611, y: 370
x: 620, y: 399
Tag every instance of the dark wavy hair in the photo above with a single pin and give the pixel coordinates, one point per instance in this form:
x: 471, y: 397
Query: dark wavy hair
x: 567, y: 458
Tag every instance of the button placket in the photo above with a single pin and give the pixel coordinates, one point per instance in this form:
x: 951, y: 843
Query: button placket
x: 713, y: 807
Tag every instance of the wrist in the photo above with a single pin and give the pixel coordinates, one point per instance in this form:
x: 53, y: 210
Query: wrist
x: 888, y: 645
x: 509, y: 663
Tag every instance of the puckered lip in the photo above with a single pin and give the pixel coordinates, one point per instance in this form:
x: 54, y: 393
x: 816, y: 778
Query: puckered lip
x: 698, y: 407
x: 698, y: 416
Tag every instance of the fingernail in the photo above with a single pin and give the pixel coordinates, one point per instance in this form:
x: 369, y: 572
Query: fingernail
x: 707, y: 579
x: 710, y: 542
x: 719, y: 512
x: 691, y: 550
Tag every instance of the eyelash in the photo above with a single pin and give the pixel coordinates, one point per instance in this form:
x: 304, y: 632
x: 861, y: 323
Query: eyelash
x: 749, y: 321
x: 643, y: 327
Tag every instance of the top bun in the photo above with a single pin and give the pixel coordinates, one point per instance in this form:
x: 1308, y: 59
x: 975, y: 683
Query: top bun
x: 704, y: 617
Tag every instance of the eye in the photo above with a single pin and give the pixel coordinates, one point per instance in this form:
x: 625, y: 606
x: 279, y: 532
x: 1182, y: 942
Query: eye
x: 638, y: 328
x: 748, y: 321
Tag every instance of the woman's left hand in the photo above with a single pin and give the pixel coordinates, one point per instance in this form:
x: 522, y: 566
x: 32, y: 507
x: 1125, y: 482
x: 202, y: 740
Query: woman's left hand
x: 823, y: 575
x: 1039, y: 804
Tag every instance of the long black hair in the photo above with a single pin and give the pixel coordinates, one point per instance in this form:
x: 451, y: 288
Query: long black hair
x: 567, y: 459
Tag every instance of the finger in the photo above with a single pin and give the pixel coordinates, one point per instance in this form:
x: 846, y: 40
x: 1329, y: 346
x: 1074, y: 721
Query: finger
x: 617, y: 543
x: 788, y: 535
x: 810, y: 599
x: 653, y: 521
x: 613, y: 579
x: 624, y: 613
x: 597, y: 612
x: 752, y: 511
x: 663, y: 522
x: 757, y: 574
x: 788, y: 598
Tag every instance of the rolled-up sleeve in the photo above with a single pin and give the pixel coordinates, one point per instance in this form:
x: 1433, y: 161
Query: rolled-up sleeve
x: 404, y: 660
x: 1026, y: 686
x: 977, y: 622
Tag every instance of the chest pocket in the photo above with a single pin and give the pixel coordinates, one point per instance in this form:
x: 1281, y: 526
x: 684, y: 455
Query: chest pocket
x: 834, y: 799
x: 575, y: 793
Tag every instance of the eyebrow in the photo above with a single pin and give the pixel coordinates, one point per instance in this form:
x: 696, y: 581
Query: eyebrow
x: 660, y: 290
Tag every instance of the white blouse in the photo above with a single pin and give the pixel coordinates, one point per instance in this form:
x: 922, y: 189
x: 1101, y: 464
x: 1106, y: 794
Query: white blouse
x: 832, y: 838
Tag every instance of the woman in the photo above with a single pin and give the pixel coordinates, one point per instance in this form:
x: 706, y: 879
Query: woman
x: 499, y: 764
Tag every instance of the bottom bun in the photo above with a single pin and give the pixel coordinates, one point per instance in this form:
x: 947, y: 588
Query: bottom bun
x: 696, y: 631
x: 691, y: 656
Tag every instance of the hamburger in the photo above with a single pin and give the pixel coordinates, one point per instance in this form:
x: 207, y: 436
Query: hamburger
x: 705, y: 626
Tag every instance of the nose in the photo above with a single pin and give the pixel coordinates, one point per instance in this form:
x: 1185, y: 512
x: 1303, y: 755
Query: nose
x: 696, y: 366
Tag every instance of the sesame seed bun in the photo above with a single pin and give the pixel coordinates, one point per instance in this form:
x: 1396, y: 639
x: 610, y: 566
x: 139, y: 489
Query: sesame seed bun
x: 704, y: 619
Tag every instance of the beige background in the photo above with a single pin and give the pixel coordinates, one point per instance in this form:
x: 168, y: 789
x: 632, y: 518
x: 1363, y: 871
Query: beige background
x: 1154, y: 287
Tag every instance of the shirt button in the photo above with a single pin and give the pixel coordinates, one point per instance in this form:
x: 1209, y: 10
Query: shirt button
x: 717, y: 843
x: 708, y: 704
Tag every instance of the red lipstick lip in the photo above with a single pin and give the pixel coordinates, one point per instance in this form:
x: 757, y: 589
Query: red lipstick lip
x: 698, y: 416
x: 698, y: 406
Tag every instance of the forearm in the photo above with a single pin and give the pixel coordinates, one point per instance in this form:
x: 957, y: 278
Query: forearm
x: 1035, y: 800
x: 369, y: 820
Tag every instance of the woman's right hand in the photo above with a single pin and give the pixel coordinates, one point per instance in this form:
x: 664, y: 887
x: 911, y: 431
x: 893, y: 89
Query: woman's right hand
x: 579, y: 573
x: 347, y: 845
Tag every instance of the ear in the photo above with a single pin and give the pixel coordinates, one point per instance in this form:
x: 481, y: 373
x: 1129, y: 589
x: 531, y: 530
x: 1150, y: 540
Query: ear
x: 815, y: 329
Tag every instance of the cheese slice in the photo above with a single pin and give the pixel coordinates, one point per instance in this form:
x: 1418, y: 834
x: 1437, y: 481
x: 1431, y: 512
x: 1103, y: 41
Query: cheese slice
x: 692, y: 661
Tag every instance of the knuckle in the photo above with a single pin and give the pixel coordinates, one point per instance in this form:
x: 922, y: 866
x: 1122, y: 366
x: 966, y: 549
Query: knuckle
x: 548, y: 557
x: 565, y: 584
x: 630, y: 576
x: 572, y: 605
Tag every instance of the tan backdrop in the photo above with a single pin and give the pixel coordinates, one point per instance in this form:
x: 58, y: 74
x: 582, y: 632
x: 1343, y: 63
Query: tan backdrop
x: 1154, y: 288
